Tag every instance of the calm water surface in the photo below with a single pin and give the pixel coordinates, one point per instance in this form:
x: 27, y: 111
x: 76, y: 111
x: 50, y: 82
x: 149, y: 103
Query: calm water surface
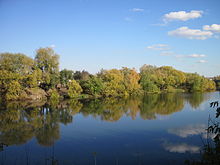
x: 154, y: 129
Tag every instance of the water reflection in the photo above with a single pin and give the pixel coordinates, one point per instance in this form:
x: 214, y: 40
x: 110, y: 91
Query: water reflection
x: 181, y: 148
x: 189, y: 130
x: 195, y: 99
x: 210, y: 152
x: 22, y: 121
x: 163, y: 104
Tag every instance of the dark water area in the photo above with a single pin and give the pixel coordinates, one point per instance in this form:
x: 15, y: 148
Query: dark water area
x: 152, y: 129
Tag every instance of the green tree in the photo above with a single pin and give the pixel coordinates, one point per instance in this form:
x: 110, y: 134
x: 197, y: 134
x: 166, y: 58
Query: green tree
x: 168, y: 79
x: 217, y: 82
x: 149, y: 81
x: 148, y: 85
x: 92, y: 86
x: 197, y: 83
x: 113, y: 83
x: 48, y: 62
x: 53, y: 94
x: 16, y: 63
x: 171, y: 77
x: 84, y: 75
x: 33, y: 79
x: 9, y: 85
x: 74, y: 89
x: 65, y: 76
x: 13, y: 90
x: 131, y: 80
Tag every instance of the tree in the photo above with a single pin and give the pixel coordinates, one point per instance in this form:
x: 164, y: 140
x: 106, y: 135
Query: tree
x: 171, y: 77
x: 113, y: 83
x: 217, y: 82
x: 65, y: 76
x: 13, y: 90
x: 195, y: 83
x: 84, y: 75
x: 32, y: 80
x: 149, y: 81
x: 148, y: 85
x: 16, y: 63
x: 74, y: 89
x: 131, y: 80
x: 93, y: 86
x: 168, y: 79
x: 48, y: 62
x: 147, y: 69
x: 10, y: 87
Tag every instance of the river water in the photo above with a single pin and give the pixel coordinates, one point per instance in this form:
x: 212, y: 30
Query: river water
x: 152, y: 129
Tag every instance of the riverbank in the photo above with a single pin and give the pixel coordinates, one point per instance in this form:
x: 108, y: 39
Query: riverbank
x: 39, y: 95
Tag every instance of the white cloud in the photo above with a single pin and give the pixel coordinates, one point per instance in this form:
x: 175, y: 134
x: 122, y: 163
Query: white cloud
x: 137, y: 10
x: 181, y: 148
x: 197, y: 55
x: 189, y: 130
x: 202, y: 61
x: 214, y: 28
x: 185, y: 32
x: 182, y: 57
x: 159, y: 47
x: 182, y: 15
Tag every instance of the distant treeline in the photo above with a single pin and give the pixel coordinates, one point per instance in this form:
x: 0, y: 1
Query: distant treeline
x: 217, y: 82
x: 22, y: 76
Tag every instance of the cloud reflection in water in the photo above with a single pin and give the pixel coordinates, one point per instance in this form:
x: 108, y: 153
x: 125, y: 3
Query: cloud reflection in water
x: 181, y: 148
x: 190, y: 130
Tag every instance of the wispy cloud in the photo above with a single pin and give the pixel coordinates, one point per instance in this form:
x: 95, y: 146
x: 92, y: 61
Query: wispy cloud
x: 182, y: 15
x: 214, y: 28
x: 158, y: 47
x: 137, y: 10
x: 185, y: 32
x: 202, y: 61
x: 165, y: 50
x: 196, y: 55
x: 182, y: 57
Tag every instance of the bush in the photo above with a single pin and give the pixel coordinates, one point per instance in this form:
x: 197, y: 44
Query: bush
x: 53, y: 94
x: 74, y: 89
x: 13, y: 91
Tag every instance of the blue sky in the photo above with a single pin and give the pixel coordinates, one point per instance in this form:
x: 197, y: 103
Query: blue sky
x: 96, y: 34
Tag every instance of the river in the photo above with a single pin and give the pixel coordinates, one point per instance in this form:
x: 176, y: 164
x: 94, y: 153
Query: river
x: 152, y: 129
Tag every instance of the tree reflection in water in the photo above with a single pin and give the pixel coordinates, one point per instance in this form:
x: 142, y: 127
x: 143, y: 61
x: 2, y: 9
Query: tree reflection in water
x: 195, y: 99
x: 22, y: 121
x: 163, y: 104
x: 19, y: 123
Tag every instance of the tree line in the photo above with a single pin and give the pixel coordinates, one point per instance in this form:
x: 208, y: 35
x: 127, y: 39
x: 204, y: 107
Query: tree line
x: 21, y: 76
x: 217, y: 81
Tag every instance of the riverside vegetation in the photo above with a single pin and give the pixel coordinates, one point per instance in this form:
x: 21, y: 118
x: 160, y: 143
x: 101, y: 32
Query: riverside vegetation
x: 23, y: 78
